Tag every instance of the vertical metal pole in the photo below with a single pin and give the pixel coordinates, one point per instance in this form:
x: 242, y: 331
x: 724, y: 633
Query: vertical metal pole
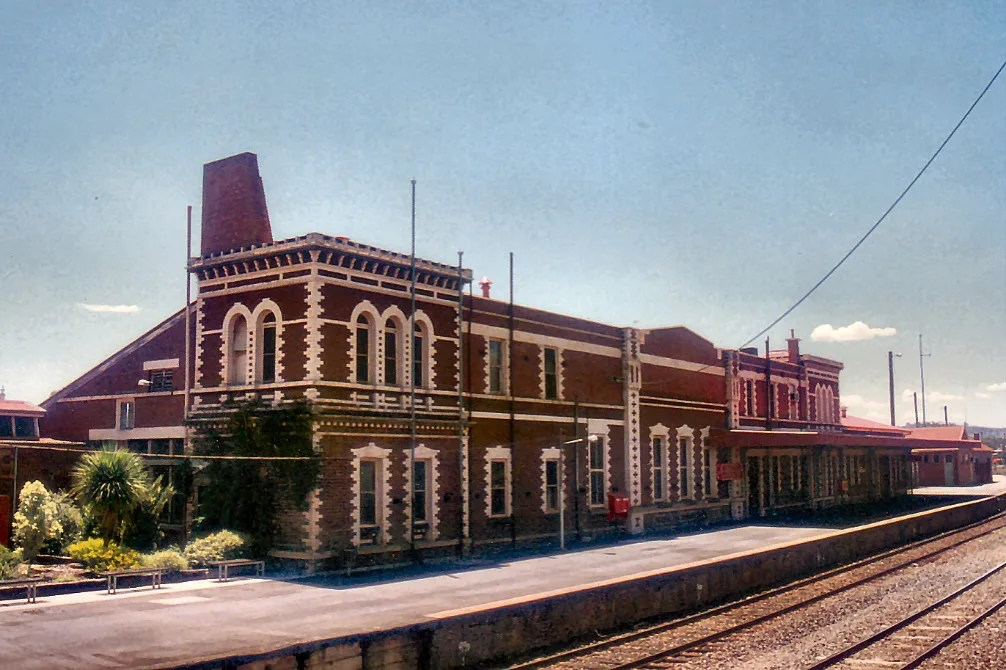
x: 922, y: 376
x: 513, y: 436
x: 576, y: 465
x: 946, y: 421
x: 562, y: 493
x: 188, y: 363
x: 890, y: 378
x: 412, y: 384
x: 768, y: 388
x: 915, y: 399
x: 462, y: 448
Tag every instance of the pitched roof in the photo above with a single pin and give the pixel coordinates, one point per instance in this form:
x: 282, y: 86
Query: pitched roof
x: 20, y: 407
x: 939, y: 433
x: 859, y: 424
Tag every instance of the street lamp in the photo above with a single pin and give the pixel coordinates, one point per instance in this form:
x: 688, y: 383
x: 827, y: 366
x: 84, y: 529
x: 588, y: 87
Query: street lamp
x: 890, y: 375
x: 562, y: 486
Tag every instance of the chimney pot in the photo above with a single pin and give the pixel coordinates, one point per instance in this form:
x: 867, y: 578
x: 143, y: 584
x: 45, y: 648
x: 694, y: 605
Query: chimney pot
x: 793, y: 344
x: 486, y: 285
x: 845, y: 411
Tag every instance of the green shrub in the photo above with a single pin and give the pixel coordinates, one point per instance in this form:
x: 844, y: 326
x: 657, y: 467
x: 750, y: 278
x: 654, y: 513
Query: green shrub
x: 169, y: 559
x: 71, y: 523
x: 98, y: 557
x: 10, y: 563
x: 219, y: 546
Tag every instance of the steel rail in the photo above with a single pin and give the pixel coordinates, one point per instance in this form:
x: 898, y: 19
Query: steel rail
x: 857, y: 647
x: 625, y: 638
x: 950, y: 639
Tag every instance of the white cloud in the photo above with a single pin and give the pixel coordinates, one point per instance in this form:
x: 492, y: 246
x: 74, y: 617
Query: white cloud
x: 109, y: 309
x: 853, y: 401
x: 979, y: 394
x: 1001, y: 386
x: 936, y: 396
x: 852, y: 333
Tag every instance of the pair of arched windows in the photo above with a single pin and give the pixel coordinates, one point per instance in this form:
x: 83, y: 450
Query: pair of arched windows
x: 388, y: 356
x: 262, y: 340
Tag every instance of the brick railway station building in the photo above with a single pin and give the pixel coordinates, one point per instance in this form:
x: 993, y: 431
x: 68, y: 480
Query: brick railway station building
x: 518, y: 411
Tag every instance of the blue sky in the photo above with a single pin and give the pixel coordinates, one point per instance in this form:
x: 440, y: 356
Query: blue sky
x: 651, y: 163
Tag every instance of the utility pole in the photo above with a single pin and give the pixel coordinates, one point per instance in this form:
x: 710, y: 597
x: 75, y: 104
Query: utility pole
x: 576, y: 466
x: 890, y: 377
x: 915, y: 399
x: 769, y: 399
x: 946, y: 421
x: 412, y: 385
x: 922, y: 376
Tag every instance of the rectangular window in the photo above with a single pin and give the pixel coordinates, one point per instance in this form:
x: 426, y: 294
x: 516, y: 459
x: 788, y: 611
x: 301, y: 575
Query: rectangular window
x: 363, y: 352
x: 137, y: 446
x: 551, y: 375
x: 659, y: 474
x: 24, y: 426
x: 161, y: 381
x: 160, y: 447
x: 497, y: 486
x: 596, y: 462
x: 749, y: 397
x: 368, y: 493
x: 391, y: 356
x: 421, y: 486
x: 495, y: 366
x: 418, y: 361
x: 552, y: 485
x: 684, y: 446
x: 6, y: 426
x: 707, y: 472
x: 269, y: 353
x: 127, y: 415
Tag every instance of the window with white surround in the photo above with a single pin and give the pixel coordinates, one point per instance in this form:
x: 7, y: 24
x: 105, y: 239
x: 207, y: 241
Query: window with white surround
x: 596, y: 461
x: 419, y: 359
x: 371, y: 482
x: 749, y: 405
x: 497, y: 366
x: 421, y: 491
x: 422, y: 354
x: 686, y: 469
x: 659, y: 456
x: 423, y: 510
x: 266, y: 368
x: 498, y: 482
x: 237, y: 358
x: 127, y: 415
x: 363, y: 339
x: 550, y: 480
x: 550, y: 363
x: 392, y: 346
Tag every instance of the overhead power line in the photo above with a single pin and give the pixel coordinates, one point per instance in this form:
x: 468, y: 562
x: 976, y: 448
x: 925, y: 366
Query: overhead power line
x: 883, y: 216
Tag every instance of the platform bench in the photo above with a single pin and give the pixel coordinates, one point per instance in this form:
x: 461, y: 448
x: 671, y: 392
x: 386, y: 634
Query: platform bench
x: 30, y: 584
x: 112, y: 576
x: 223, y: 567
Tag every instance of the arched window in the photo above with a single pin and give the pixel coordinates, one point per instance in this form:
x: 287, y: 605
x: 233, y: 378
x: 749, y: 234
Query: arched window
x: 363, y: 336
x: 237, y: 359
x: 267, y: 369
x: 391, y: 337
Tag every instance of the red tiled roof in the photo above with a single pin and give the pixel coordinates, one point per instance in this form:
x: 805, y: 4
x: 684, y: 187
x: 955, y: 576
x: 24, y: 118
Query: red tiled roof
x: 939, y: 433
x: 20, y: 407
x: 855, y: 423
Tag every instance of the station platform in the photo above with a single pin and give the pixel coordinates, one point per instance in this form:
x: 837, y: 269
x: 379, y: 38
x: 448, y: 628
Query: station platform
x: 198, y: 621
x: 997, y: 486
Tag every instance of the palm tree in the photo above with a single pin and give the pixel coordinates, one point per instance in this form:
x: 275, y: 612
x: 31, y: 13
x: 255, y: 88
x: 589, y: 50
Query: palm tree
x: 112, y: 483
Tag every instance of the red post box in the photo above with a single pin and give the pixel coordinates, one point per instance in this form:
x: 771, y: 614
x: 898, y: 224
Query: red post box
x: 618, y: 506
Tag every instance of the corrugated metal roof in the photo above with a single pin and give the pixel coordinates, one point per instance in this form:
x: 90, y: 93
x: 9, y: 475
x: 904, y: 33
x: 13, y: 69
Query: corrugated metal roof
x: 20, y: 408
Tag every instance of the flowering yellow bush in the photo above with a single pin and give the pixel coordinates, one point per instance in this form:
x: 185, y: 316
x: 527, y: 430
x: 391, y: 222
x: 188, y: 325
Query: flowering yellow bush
x: 95, y: 555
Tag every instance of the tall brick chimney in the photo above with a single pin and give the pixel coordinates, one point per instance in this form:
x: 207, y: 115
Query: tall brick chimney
x: 794, y: 347
x: 234, y: 209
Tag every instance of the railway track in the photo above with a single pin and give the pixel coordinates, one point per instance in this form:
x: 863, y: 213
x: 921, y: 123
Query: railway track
x: 907, y: 643
x: 669, y: 643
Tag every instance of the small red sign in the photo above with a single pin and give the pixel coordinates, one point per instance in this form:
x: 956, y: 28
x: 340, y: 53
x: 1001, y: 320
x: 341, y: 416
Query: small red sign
x: 726, y: 472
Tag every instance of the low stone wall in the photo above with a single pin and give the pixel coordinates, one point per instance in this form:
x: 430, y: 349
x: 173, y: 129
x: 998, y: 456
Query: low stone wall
x: 496, y: 631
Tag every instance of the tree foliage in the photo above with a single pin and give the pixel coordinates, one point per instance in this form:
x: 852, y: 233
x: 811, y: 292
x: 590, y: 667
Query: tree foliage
x: 111, y: 483
x: 247, y: 494
x: 36, y: 520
